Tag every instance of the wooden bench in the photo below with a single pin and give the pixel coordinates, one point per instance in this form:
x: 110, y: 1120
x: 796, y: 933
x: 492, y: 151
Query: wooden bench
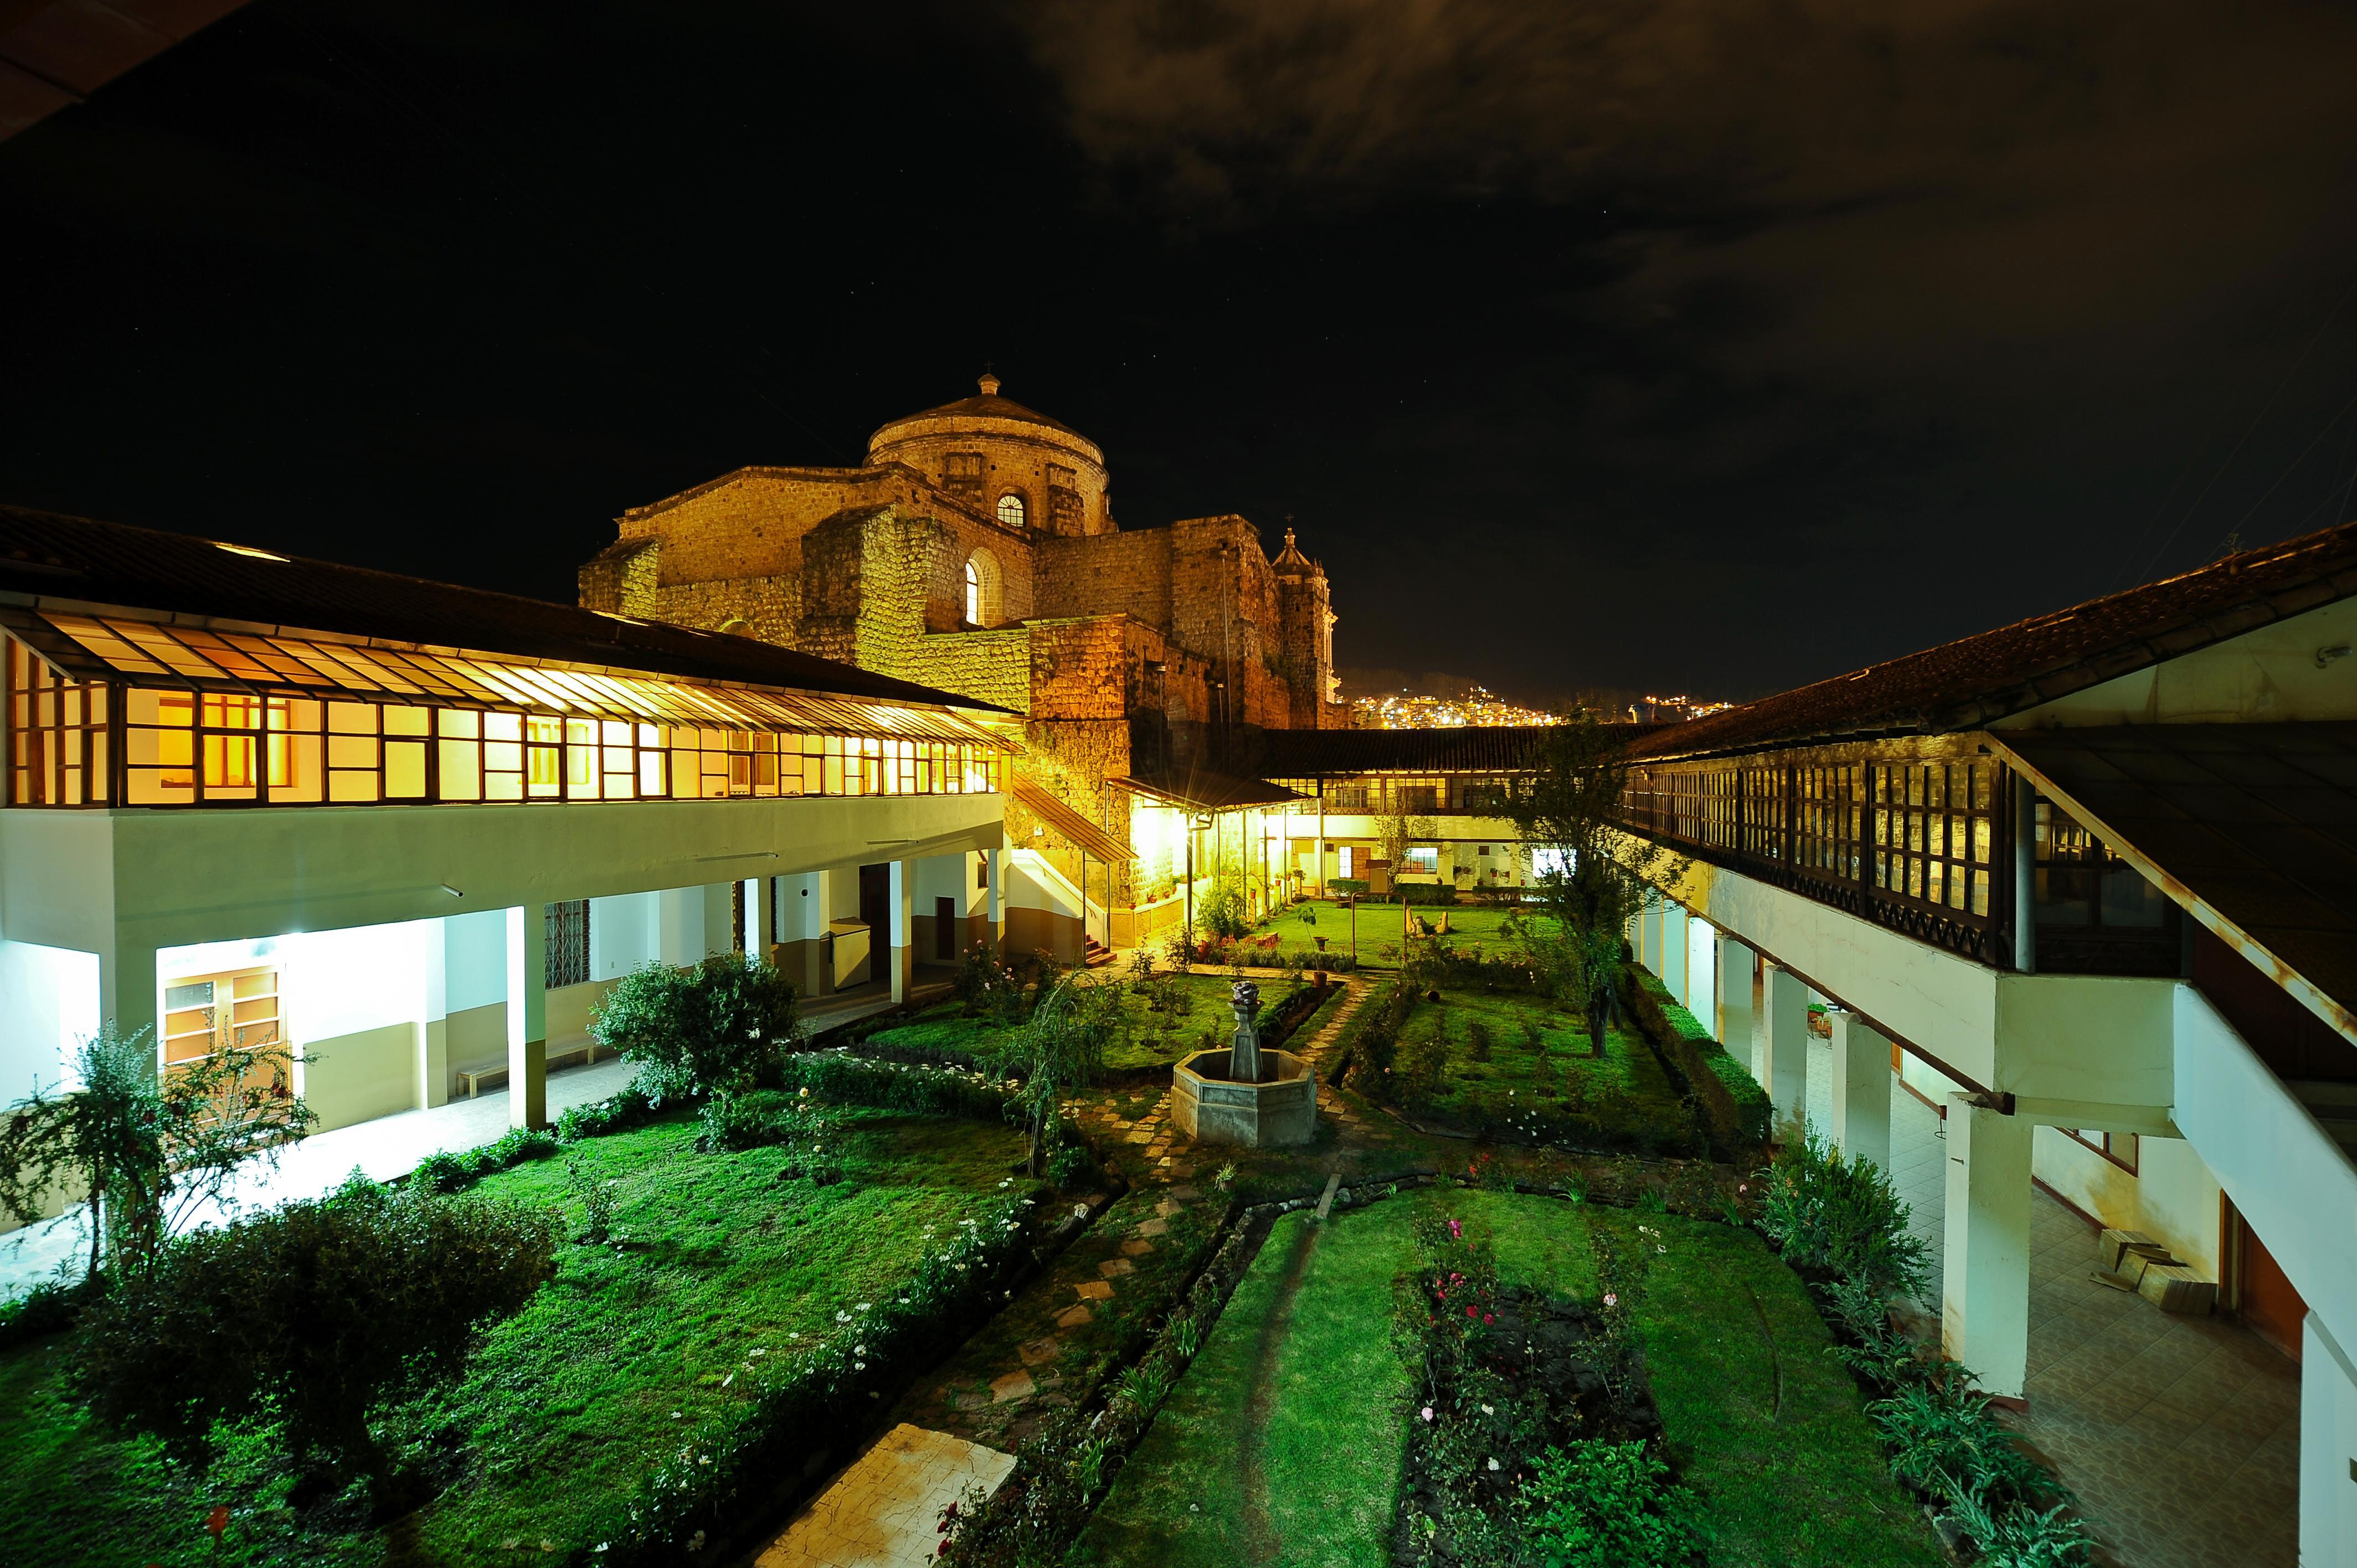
x: 579, y: 1055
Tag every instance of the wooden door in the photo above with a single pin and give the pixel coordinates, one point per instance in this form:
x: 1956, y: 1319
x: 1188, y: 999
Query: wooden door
x: 2264, y: 1298
x: 876, y: 902
x: 945, y: 933
x: 207, y: 1014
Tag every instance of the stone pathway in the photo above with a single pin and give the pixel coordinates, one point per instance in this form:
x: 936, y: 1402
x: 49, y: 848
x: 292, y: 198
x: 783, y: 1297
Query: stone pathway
x: 885, y: 1510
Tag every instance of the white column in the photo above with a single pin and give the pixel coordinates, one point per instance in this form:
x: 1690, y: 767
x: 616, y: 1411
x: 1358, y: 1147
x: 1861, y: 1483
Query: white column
x: 899, y: 915
x: 758, y: 919
x: 2328, y: 1448
x: 1861, y: 1086
x: 719, y: 919
x: 997, y: 860
x: 679, y: 926
x: 1671, y: 967
x: 127, y: 993
x: 1702, y: 971
x: 1984, y: 1298
x: 1648, y: 941
x: 527, y: 1015
x: 429, y: 1083
x: 1785, y: 1054
x: 1735, y: 964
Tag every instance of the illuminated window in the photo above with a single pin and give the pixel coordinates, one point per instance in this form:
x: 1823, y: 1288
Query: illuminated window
x: 1010, y: 511
x: 973, y: 596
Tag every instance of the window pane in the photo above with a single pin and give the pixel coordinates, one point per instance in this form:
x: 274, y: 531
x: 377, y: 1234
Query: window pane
x: 351, y: 786
x: 462, y: 770
x: 408, y: 721
x: 404, y: 765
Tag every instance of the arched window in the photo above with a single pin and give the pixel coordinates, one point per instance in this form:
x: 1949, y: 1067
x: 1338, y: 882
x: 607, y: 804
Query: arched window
x: 985, y: 602
x: 1010, y: 509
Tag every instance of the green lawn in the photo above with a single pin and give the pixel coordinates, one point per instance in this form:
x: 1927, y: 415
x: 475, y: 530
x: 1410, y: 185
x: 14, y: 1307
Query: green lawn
x: 568, y: 1402
x: 1287, y: 1430
x: 1380, y: 925
x: 1538, y: 1071
x: 1155, y: 1036
x: 1299, y: 1398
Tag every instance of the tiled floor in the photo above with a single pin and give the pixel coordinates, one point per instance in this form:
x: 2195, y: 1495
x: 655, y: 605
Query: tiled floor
x: 885, y: 1510
x: 2180, y: 1435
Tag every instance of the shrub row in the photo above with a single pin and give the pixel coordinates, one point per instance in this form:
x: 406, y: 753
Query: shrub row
x: 48, y: 1309
x: 724, y: 1470
x: 1228, y: 952
x: 1734, y: 1105
x: 849, y: 1080
x: 1842, y: 1226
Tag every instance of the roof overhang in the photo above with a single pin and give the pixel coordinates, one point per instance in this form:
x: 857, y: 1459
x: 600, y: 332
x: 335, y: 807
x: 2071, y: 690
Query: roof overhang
x: 1206, y: 791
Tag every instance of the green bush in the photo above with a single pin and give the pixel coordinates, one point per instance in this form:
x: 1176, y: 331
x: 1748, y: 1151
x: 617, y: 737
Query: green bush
x: 1355, y: 886
x: 847, y: 1079
x: 986, y: 987
x: 312, y: 1317
x: 720, y: 1025
x: 1607, y: 1505
x: 632, y: 1105
x: 1842, y: 1216
x: 47, y: 1308
x: 1754, y: 1111
x: 1941, y: 1435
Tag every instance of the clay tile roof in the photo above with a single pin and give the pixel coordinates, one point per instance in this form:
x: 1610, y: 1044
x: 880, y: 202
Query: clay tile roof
x: 1967, y: 684
x: 48, y: 559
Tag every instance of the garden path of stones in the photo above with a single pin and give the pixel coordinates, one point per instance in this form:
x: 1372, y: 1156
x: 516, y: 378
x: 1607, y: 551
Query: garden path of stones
x: 977, y: 1415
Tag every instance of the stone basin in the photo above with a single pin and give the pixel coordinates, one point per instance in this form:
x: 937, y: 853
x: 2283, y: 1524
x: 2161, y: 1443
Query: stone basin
x: 1212, y: 1108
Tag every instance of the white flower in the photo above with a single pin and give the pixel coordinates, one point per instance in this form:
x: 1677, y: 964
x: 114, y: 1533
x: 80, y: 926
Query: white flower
x: 1487, y: 1410
x: 841, y: 1316
x: 1427, y: 1412
x: 1494, y: 1464
x: 859, y: 1349
x: 859, y: 1365
x: 696, y: 1541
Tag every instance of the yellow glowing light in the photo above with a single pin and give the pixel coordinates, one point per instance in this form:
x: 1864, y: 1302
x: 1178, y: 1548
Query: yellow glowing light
x: 247, y: 549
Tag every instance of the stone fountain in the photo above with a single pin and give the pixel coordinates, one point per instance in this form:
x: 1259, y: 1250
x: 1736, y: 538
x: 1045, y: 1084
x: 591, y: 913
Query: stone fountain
x: 1246, y: 1096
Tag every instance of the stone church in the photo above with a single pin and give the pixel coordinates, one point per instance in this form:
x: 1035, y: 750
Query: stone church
x: 976, y: 550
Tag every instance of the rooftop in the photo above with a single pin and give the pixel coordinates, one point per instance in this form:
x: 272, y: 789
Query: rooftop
x: 52, y: 562
x: 987, y: 405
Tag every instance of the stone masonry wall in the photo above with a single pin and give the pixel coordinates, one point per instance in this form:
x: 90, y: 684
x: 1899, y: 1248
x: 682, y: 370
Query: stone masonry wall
x: 1106, y: 574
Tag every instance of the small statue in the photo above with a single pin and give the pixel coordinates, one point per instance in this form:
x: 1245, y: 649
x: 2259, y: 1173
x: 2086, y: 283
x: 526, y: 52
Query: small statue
x: 1245, y: 996
x: 1243, y: 1057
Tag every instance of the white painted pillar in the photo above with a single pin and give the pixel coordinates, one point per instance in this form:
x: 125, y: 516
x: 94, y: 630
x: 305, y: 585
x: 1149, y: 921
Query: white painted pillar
x: 1861, y: 1086
x: 1702, y: 971
x: 1785, y: 1054
x: 758, y: 919
x: 1985, y: 1297
x: 429, y: 1076
x: 127, y: 993
x: 1734, y: 988
x: 1673, y: 967
x: 2328, y: 1449
x: 719, y: 919
x: 995, y: 860
x: 679, y: 926
x: 899, y: 915
x: 527, y: 994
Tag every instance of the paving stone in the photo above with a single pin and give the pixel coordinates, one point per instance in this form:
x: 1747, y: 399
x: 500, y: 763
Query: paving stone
x: 1154, y: 1227
x: 1074, y: 1316
x: 1113, y: 1267
x: 1184, y: 1194
x: 884, y: 1508
x: 1167, y: 1208
x: 1095, y: 1290
x: 1136, y: 1246
x: 1012, y: 1386
x: 1035, y: 1351
x: 1141, y: 1137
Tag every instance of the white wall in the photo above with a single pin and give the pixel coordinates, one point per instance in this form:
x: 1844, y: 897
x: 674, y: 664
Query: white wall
x: 49, y: 1007
x: 625, y: 932
x: 2269, y: 675
x: 475, y: 959
x: 2328, y: 1437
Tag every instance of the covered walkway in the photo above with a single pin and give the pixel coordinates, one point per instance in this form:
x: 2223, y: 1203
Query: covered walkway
x: 2179, y: 1434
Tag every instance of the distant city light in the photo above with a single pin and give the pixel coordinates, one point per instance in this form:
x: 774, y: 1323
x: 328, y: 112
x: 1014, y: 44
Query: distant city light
x: 1478, y: 706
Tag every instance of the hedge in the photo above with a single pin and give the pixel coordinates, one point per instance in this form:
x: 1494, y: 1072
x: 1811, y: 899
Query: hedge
x: 1732, y: 1101
x: 849, y: 1080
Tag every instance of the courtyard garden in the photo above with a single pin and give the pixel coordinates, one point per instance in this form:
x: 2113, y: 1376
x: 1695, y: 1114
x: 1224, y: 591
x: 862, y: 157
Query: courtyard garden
x: 1382, y: 927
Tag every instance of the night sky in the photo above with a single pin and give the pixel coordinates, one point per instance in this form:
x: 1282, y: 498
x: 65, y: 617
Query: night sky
x: 1659, y: 343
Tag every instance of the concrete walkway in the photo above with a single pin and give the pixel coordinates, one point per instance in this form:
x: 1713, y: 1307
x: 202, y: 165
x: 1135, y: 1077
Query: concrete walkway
x: 2179, y: 1434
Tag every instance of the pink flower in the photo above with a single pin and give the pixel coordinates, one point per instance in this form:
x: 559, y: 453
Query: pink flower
x: 1456, y: 1231
x: 1427, y: 1412
x: 1469, y: 1312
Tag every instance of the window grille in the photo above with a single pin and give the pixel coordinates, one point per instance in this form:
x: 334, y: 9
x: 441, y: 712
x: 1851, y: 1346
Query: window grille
x: 1010, y: 511
x: 567, y: 961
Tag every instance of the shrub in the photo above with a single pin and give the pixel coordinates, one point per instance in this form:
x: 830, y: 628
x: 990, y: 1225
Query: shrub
x: 1842, y: 1216
x: 1355, y: 887
x: 719, y: 1025
x: 1607, y: 1505
x: 745, y: 1121
x: 518, y: 1144
x: 985, y: 986
x: 441, y: 1172
x: 631, y: 1105
x: 848, y: 1079
x: 1071, y: 1165
x: 47, y: 1308
x: 1222, y: 914
x: 312, y: 1315
x: 1942, y: 1436
x: 598, y: 1201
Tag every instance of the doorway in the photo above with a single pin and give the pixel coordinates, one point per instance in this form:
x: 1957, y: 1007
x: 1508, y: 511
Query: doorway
x: 876, y: 904
x: 207, y: 1014
x: 2263, y: 1299
x: 945, y: 924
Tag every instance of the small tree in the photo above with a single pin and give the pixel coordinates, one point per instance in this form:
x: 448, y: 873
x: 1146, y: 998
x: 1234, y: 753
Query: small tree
x: 1571, y: 813
x: 715, y: 1028
x: 1055, y: 1052
x: 153, y: 1152
x: 314, y: 1316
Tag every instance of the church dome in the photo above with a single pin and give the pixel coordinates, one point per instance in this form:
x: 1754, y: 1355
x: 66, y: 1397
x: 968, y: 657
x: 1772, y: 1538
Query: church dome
x: 1026, y: 472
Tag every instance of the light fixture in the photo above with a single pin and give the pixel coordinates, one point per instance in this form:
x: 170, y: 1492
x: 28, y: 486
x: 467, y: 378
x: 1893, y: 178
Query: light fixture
x: 248, y: 550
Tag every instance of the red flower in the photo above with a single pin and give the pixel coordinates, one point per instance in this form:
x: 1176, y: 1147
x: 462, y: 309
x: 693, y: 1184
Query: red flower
x: 1469, y: 1312
x: 217, y: 1520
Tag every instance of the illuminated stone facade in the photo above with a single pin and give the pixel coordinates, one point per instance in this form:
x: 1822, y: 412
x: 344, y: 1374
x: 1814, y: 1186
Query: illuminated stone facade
x: 976, y: 552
